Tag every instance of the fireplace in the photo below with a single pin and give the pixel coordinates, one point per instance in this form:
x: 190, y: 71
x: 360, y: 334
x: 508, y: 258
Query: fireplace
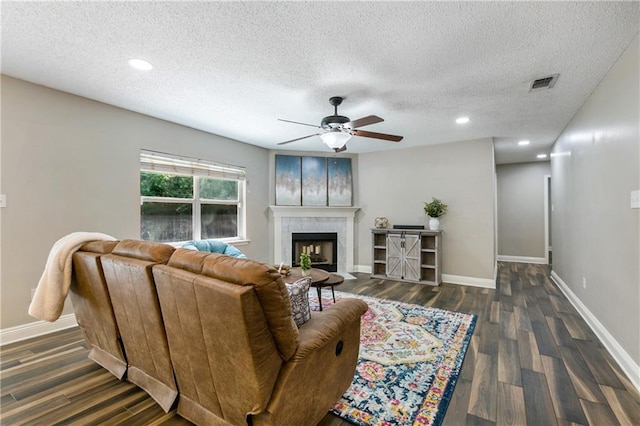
x: 297, y: 219
x: 322, y: 247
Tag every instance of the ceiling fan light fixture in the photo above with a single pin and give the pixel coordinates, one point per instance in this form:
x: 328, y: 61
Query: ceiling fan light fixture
x: 335, y: 139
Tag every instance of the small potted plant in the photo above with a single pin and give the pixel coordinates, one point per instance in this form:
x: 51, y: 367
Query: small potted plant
x: 305, y: 264
x: 435, y: 209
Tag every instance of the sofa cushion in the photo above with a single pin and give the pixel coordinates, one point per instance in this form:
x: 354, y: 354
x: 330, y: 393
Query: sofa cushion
x: 214, y: 246
x: 299, y: 296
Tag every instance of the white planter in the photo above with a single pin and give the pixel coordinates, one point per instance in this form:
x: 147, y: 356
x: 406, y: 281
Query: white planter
x: 434, y: 223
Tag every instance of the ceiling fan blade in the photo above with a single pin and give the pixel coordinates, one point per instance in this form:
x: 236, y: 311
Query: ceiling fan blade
x: 364, y: 133
x: 297, y: 139
x: 364, y: 121
x: 297, y: 122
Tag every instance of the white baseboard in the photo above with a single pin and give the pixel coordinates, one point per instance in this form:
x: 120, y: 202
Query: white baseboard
x: 470, y: 281
x: 448, y: 278
x: 362, y: 268
x: 35, y: 329
x: 624, y: 360
x: 522, y: 259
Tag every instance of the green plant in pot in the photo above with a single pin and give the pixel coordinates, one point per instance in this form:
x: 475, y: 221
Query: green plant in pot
x: 435, y: 209
x: 305, y: 264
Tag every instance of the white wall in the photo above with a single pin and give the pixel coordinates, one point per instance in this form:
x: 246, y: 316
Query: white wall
x: 72, y: 164
x: 396, y: 184
x: 521, y: 210
x: 596, y: 235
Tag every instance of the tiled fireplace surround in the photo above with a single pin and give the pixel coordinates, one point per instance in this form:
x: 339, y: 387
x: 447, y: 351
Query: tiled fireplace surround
x: 287, y: 220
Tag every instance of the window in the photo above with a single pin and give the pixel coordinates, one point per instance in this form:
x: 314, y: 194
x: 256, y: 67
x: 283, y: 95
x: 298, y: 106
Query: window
x: 187, y: 199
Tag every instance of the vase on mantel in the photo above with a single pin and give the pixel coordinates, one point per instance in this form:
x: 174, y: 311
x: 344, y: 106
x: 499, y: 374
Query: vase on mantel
x: 434, y: 223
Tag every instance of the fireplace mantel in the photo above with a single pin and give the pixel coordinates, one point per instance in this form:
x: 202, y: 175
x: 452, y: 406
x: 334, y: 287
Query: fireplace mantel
x: 291, y: 216
x: 308, y: 211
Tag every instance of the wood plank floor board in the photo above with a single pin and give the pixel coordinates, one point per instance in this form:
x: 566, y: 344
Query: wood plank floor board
x: 507, y: 325
x: 509, y: 362
x: 56, y: 379
x: 489, y: 335
x: 49, y: 379
x: 521, y: 317
x: 628, y: 385
x: 623, y: 405
x: 483, y: 398
x: 560, y: 333
x: 511, y: 405
x: 101, y: 413
x: 469, y: 364
x: 564, y: 398
x: 577, y: 328
x: 457, y: 410
x: 596, y: 360
x: 41, y: 410
x: 36, y: 367
x: 544, y: 339
x: 472, y: 420
x: 537, y: 399
x: 599, y: 414
x: 581, y: 378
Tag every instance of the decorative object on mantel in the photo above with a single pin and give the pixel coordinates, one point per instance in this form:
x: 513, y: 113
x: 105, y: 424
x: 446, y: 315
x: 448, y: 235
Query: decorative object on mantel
x: 305, y: 264
x: 313, y: 181
x: 288, y: 180
x: 435, y: 209
x: 381, y: 222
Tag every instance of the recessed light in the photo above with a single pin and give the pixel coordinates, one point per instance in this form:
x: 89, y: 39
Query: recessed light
x: 522, y: 143
x: 462, y: 120
x: 140, y: 64
x: 542, y: 155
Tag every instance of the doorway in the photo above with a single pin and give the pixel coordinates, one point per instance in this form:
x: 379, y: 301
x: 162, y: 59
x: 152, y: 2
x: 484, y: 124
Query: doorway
x: 548, y: 210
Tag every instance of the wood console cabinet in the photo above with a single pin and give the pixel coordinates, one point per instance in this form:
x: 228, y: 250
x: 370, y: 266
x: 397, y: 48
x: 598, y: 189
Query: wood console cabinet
x: 407, y: 255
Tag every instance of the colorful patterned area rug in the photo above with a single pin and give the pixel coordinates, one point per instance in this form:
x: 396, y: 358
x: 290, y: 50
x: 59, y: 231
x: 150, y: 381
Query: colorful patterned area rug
x: 410, y: 359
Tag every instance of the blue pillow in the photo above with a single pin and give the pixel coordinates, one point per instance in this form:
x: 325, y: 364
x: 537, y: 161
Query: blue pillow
x: 214, y: 246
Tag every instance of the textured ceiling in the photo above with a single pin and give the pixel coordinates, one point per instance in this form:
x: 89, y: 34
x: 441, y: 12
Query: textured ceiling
x: 234, y: 68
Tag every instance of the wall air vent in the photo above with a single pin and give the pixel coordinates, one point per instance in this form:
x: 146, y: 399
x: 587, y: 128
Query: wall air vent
x: 543, y: 83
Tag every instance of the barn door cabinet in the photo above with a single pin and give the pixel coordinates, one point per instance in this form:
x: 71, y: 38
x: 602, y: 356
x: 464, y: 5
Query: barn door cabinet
x: 407, y: 255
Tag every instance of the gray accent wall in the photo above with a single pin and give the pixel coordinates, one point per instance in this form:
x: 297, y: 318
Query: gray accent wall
x: 521, y: 209
x: 72, y: 164
x: 596, y: 235
x: 396, y: 184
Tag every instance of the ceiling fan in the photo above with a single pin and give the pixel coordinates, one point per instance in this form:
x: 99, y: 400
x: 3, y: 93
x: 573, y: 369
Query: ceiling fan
x: 338, y: 129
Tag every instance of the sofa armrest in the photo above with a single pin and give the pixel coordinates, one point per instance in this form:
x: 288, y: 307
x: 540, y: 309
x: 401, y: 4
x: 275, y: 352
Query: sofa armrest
x: 324, y: 326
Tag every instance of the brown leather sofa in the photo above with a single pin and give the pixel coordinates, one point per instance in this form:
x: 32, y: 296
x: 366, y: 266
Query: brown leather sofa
x: 237, y: 356
x: 92, y: 306
x: 128, y: 273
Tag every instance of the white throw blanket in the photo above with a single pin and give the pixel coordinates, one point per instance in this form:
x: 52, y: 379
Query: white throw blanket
x: 52, y: 290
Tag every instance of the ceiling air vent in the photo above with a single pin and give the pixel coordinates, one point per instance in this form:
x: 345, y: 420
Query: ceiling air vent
x: 544, y: 83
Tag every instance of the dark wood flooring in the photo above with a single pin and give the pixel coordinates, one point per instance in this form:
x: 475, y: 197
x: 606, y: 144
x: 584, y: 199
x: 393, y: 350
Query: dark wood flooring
x: 532, y: 361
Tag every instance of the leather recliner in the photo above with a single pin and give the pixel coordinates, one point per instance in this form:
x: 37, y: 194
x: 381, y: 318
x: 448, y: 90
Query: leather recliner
x: 128, y: 273
x: 93, y: 309
x: 237, y: 354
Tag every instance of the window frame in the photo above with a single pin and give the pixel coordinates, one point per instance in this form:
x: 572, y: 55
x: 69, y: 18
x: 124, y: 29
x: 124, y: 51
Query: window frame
x: 161, y: 163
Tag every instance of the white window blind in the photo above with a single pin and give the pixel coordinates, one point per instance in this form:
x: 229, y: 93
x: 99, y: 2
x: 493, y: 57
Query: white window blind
x: 166, y: 163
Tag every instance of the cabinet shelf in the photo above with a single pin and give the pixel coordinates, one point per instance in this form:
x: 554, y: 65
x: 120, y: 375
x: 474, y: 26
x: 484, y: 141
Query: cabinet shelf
x: 407, y: 255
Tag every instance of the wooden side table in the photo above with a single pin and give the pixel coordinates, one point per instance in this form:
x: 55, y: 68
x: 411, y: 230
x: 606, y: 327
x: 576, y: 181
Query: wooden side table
x: 319, y: 279
x: 317, y: 276
x: 334, y: 279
